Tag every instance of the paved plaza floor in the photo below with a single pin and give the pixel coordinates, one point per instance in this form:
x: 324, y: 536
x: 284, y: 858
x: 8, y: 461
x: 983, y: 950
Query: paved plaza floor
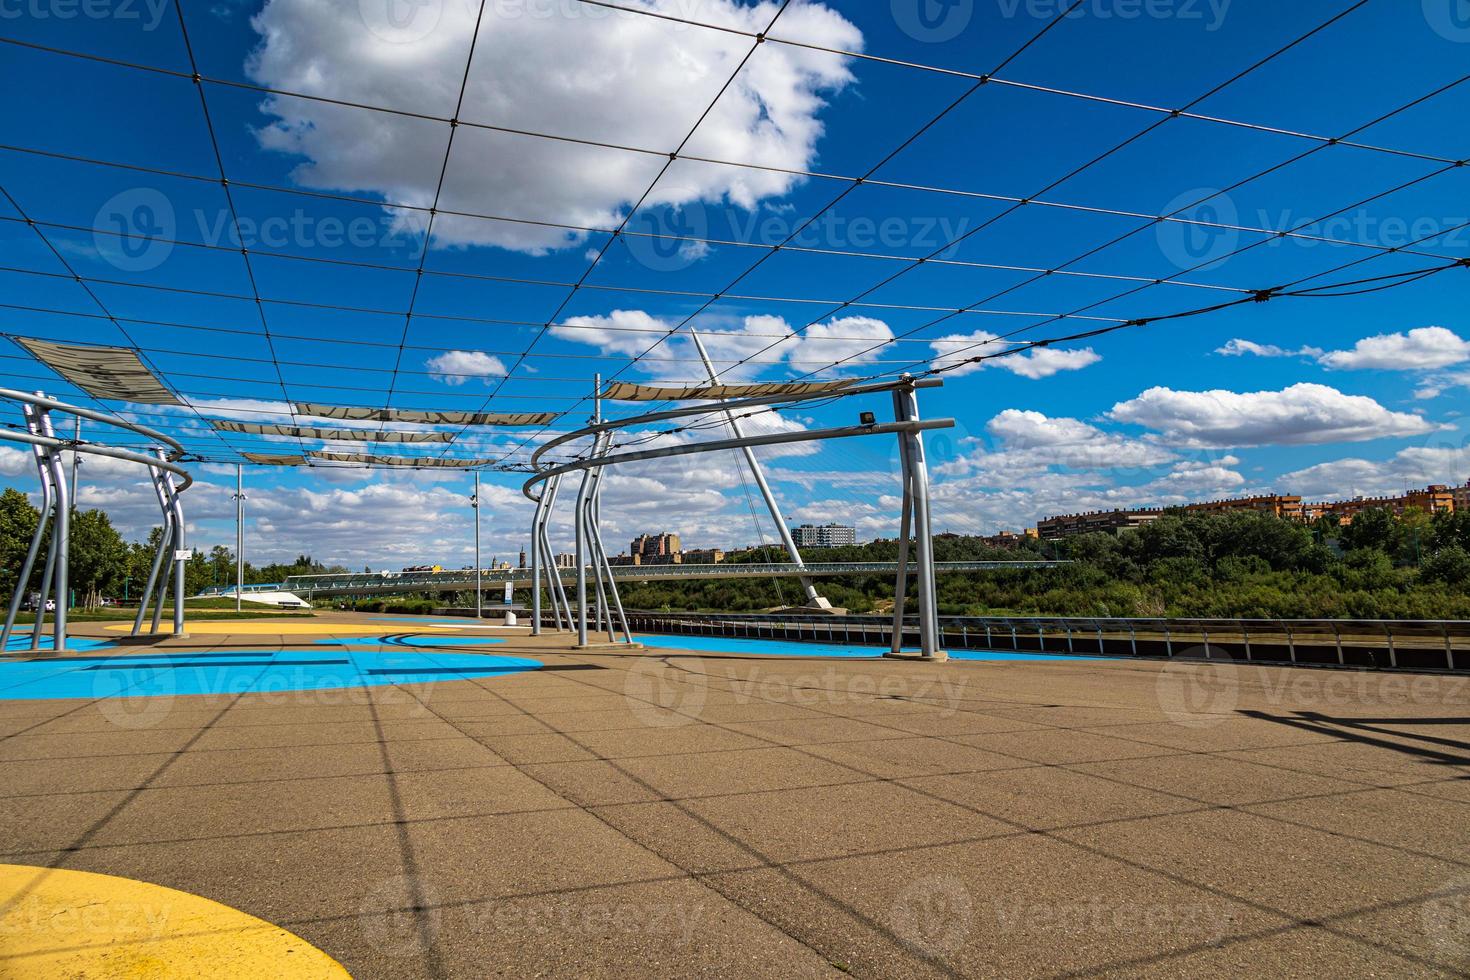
x: 412, y: 798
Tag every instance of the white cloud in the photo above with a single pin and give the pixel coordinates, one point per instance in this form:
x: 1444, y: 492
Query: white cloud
x: 1031, y: 443
x: 1421, y: 349
x: 1301, y: 414
x: 619, y: 332
x: 624, y: 78
x: 455, y: 367
x: 1039, y: 362
x: 1238, y: 348
x: 1416, y: 466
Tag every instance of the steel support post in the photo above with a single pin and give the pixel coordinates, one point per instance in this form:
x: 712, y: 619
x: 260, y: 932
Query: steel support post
x: 536, y: 564
x: 60, y: 540
x: 165, y: 542
x: 929, y: 635
x: 42, y: 519
x: 612, y: 585
x: 901, y: 580
x: 808, y: 585
x: 580, y: 518
x: 475, y: 503
x: 555, y: 590
x: 180, y: 558
x: 239, y: 534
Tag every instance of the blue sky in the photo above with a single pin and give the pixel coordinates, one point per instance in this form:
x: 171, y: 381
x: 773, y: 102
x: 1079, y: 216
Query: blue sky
x: 1326, y: 396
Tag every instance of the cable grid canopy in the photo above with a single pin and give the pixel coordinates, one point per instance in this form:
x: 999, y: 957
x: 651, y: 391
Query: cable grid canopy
x: 102, y: 372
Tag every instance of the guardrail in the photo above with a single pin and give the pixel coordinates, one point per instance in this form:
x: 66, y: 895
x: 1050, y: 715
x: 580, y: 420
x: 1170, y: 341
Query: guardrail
x: 1390, y: 644
x: 219, y: 590
x: 384, y: 583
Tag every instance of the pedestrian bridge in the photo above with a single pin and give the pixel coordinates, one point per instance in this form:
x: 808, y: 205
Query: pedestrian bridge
x: 398, y: 583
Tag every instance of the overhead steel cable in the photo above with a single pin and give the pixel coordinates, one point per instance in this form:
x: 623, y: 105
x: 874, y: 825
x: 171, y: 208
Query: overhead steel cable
x: 97, y: 301
x: 418, y: 279
x: 672, y: 158
x: 229, y: 196
x: 1084, y: 167
x: 1385, y: 250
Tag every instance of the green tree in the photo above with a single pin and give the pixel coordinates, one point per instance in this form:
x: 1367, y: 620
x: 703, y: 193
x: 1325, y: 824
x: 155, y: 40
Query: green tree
x: 17, y: 523
x: 98, y: 556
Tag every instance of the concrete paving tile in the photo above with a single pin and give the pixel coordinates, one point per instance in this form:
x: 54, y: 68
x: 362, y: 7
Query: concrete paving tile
x: 479, y: 858
x: 171, y: 714
x: 1303, y: 951
x: 1213, y: 779
x: 592, y: 782
x: 807, y: 731
x: 1420, y: 823
x: 585, y: 702
x: 621, y: 718
x: 680, y: 837
x: 1022, y: 906
x: 832, y: 821
x: 177, y: 812
x: 1245, y: 733
x: 107, y: 772
x: 333, y: 733
x: 1059, y: 746
x: 743, y: 771
x: 943, y: 722
x: 1042, y: 797
x: 1376, y: 765
x: 644, y: 741
x: 911, y: 756
x: 476, y: 710
x: 466, y: 792
x: 198, y: 768
x: 44, y: 823
x: 1303, y: 873
x: 676, y: 927
x: 526, y: 749
x: 1429, y: 929
x: 440, y: 753
x: 509, y: 724
x: 81, y: 745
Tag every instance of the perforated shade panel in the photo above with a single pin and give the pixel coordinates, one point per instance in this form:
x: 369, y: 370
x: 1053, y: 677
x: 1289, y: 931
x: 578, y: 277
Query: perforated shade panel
x: 356, y: 413
x: 373, y: 459
x: 318, y: 432
x: 267, y: 459
x: 102, y: 372
x: 623, y: 391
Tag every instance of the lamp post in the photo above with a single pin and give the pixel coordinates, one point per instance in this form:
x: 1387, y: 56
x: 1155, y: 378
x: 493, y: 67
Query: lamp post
x: 239, y: 535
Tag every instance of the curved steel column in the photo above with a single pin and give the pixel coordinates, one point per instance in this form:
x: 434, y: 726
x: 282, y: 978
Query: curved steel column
x: 42, y: 518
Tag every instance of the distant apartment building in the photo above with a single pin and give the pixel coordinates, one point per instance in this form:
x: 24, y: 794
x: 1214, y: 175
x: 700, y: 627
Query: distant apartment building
x: 1461, y: 497
x: 823, y: 535
x: 1281, y: 505
x: 1433, y: 499
x: 704, y: 556
x: 1008, y: 540
x: 566, y: 561
x: 646, y: 546
x: 1107, y: 521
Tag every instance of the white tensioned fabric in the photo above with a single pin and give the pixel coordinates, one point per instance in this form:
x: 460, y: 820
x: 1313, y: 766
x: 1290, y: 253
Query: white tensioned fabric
x: 102, y: 372
x: 267, y: 459
x: 355, y: 413
x: 318, y: 432
x: 624, y: 391
x: 373, y: 459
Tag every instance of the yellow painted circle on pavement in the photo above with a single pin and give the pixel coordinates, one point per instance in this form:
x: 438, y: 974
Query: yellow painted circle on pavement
x: 225, y: 627
x: 76, y: 924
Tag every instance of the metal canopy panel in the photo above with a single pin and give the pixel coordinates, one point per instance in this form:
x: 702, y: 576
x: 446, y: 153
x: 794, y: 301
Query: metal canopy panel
x: 318, y: 432
x: 372, y: 459
x: 358, y: 414
x: 623, y: 391
x: 102, y: 372
x: 266, y: 459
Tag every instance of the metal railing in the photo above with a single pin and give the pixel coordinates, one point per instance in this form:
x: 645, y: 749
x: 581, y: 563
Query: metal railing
x: 386, y: 583
x: 1377, y: 643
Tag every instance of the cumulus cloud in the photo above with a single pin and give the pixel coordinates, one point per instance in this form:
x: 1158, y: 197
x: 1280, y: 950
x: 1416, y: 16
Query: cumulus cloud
x: 619, y: 77
x: 1420, y: 349
x: 1039, y: 362
x: 1353, y: 476
x: 455, y: 367
x: 1237, y: 347
x: 1032, y: 443
x: 1301, y: 414
x: 852, y: 340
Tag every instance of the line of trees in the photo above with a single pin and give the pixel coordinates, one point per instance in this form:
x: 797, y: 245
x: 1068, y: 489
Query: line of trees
x: 1381, y: 566
x: 105, y: 565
